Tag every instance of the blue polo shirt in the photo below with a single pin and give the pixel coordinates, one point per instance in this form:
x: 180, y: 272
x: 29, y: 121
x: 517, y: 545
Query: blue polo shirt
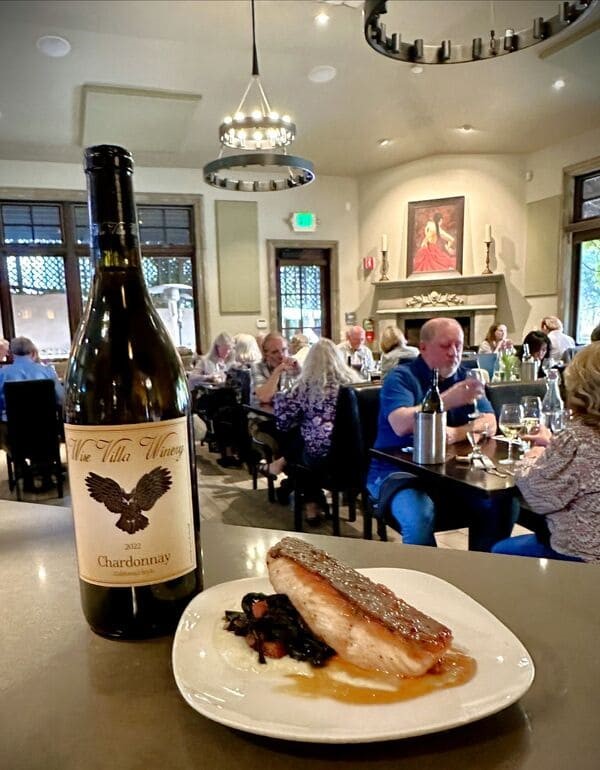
x: 406, y: 385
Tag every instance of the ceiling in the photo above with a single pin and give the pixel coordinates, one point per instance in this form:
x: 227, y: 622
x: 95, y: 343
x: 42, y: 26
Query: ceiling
x: 185, y: 65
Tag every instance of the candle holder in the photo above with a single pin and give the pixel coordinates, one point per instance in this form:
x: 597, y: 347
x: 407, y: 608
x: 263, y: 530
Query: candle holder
x: 384, y: 266
x: 487, y: 270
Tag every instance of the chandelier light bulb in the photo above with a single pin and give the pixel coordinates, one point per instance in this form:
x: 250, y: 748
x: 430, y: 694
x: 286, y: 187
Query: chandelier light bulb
x: 257, y: 115
x: 239, y: 116
x: 227, y: 119
x: 286, y: 119
x: 274, y: 115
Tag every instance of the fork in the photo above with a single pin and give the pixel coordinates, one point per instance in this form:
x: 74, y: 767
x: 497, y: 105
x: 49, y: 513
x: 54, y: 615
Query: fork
x: 492, y: 469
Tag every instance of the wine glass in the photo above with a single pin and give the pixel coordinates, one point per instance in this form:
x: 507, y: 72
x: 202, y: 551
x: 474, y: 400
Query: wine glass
x: 532, y: 413
x: 474, y: 435
x: 510, y: 423
x: 475, y: 374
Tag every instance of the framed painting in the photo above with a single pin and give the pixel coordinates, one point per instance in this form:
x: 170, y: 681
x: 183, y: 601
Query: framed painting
x: 435, y: 236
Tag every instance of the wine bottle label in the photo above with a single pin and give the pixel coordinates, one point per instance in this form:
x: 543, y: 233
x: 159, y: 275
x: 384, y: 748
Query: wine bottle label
x: 131, y: 492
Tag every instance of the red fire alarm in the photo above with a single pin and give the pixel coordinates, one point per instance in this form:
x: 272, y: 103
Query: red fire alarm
x: 368, y: 263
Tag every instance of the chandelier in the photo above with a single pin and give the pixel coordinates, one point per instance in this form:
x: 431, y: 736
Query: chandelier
x: 450, y: 52
x: 261, y: 133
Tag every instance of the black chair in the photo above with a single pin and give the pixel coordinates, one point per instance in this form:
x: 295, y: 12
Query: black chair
x: 499, y: 393
x: 207, y: 401
x: 365, y: 416
x: 347, y: 462
x: 33, y: 434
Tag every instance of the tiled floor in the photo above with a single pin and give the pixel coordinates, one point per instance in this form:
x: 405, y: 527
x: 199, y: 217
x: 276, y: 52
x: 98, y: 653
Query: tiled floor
x: 227, y: 495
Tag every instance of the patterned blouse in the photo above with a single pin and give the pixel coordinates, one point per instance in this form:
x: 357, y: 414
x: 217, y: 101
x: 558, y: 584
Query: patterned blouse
x: 564, y: 484
x: 315, y: 418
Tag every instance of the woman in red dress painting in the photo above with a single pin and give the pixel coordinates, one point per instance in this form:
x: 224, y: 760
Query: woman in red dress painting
x: 436, y: 251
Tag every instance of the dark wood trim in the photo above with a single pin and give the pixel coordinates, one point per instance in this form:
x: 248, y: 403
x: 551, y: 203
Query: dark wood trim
x: 72, y: 279
x: 333, y: 277
x: 578, y: 239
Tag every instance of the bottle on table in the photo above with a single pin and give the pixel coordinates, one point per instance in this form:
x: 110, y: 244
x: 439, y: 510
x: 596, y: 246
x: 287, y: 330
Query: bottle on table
x: 433, y: 399
x: 529, y: 366
x: 430, y: 426
x: 552, y: 402
x: 128, y: 432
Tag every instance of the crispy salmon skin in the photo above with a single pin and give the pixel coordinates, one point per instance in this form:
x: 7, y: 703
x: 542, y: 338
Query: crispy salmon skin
x: 364, y: 622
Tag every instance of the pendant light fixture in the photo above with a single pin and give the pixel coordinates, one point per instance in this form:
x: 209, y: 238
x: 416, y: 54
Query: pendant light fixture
x: 263, y: 135
x: 485, y: 47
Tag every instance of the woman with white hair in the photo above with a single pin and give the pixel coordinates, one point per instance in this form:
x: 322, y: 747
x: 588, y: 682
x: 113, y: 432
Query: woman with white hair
x: 310, y: 406
x: 212, y: 366
x: 245, y: 350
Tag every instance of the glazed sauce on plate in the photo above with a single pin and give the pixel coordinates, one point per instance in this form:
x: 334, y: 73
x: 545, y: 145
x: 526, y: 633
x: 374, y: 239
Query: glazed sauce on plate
x: 347, y: 683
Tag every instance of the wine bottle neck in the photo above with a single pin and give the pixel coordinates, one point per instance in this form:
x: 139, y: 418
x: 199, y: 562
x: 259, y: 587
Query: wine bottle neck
x: 113, y: 219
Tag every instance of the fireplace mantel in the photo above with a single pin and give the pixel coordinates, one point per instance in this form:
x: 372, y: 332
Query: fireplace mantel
x: 475, y: 296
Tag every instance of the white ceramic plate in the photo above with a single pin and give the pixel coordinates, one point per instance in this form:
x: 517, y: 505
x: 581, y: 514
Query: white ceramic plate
x: 220, y: 677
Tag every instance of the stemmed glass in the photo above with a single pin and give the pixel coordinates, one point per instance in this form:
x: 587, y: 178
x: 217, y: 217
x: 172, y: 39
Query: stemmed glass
x: 510, y: 423
x: 474, y: 435
x: 532, y: 414
x: 475, y: 374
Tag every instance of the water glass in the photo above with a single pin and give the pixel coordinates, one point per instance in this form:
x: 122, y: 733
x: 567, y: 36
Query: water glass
x: 511, y: 424
x: 559, y: 420
x: 475, y: 374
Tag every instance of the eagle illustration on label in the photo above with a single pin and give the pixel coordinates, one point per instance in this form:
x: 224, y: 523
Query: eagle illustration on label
x: 130, y: 505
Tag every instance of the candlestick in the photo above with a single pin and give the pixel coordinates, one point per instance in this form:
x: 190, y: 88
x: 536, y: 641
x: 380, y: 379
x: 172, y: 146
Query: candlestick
x: 488, y: 234
x: 384, y: 266
x: 487, y: 270
x: 384, y: 242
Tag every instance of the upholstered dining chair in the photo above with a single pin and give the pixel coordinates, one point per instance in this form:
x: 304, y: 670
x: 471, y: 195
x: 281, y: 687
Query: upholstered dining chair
x: 33, y: 432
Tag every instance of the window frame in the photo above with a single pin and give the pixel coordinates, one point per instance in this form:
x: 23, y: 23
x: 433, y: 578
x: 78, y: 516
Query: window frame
x: 71, y: 251
x: 574, y: 231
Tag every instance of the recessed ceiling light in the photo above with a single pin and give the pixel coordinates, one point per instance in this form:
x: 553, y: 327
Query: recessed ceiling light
x: 53, y: 45
x: 384, y: 142
x: 558, y: 84
x: 322, y: 74
x: 416, y: 69
x: 322, y: 19
x: 466, y: 129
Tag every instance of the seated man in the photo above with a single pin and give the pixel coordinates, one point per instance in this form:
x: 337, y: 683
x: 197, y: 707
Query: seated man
x: 354, y: 351
x: 277, y: 371
x: 403, y: 390
x: 24, y: 367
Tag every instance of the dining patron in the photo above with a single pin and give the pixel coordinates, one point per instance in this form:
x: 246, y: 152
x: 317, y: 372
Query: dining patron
x: 560, y: 477
x: 411, y: 505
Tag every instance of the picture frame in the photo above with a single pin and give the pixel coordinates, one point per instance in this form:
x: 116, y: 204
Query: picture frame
x: 435, y: 236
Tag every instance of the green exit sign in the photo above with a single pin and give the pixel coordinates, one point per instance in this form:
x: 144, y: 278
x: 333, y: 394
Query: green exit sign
x: 304, y: 221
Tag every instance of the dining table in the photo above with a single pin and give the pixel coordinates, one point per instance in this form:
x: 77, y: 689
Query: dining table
x: 71, y: 699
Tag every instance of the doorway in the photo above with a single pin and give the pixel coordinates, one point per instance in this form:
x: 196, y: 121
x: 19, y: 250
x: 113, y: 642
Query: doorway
x: 302, y: 288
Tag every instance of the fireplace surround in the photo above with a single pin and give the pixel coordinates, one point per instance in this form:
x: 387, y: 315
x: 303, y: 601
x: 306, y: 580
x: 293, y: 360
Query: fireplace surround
x: 472, y: 300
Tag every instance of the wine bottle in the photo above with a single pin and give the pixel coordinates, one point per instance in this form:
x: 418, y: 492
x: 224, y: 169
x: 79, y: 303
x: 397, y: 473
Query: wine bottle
x: 128, y: 431
x: 433, y: 400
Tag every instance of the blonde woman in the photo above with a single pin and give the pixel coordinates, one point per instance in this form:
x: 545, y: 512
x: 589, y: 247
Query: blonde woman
x: 560, y: 476
x: 310, y: 407
x: 394, y: 349
x: 212, y: 366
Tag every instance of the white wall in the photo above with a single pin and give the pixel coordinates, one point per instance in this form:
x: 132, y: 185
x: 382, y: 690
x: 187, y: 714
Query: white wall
x: 546, y: 166
x: 493, y: 187
x: 334, y: 199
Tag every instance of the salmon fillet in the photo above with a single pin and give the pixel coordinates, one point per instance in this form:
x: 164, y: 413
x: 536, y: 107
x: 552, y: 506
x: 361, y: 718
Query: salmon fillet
x: 364, y: 622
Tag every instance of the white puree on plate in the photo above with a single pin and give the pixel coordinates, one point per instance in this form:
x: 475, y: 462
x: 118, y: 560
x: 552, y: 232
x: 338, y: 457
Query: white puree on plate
x: 236, y: 653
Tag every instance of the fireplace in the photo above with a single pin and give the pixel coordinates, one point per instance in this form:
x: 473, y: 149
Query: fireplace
x: 471, y: 300
x: 412, y: 328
